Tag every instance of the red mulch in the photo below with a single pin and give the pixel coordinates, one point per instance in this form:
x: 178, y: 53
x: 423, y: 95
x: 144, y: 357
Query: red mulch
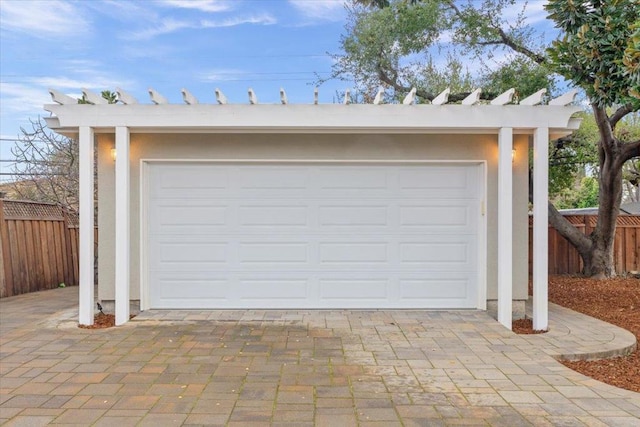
x: 102, y: 320
x: 525, y: 326
x: 616, y: 301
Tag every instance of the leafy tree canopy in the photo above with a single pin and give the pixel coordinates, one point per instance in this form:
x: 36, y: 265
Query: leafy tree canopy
x: 600, y: 48
x: 394, y: 43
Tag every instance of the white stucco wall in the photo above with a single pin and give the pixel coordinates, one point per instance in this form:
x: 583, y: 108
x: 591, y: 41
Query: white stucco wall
x: 309, y: 147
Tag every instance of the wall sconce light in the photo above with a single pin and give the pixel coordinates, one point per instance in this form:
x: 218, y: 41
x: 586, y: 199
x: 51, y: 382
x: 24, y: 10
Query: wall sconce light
x: 113, y: 154
x: 513, y: 155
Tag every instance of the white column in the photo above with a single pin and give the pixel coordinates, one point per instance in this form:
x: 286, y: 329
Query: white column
x: 540, y: 228
x: 87, y: 214
x: 122, y: 225
x: 505, y: 226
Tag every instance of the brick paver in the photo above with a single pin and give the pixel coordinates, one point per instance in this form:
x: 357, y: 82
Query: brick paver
x: 323, y: 368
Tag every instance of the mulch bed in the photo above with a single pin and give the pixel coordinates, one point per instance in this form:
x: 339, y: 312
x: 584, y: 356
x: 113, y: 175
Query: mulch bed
x: 524, y: 326
x: 616, y: 301
x: 102, y: 321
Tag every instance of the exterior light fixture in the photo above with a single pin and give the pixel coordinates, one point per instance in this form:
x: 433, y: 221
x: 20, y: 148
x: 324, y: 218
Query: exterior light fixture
x: 113, y: 154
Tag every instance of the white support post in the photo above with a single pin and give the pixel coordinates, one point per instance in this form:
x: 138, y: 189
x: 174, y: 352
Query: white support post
x: 87, y: 215
x: 540, y: 228
x: 505, y: 226
x: 122, y: 225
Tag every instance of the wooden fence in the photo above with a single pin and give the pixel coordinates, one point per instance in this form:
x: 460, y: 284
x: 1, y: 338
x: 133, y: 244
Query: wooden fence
x: 38, y: 247
x: 564, y: 259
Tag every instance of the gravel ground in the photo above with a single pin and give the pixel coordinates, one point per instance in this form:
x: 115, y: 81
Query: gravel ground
x: 616, y: 301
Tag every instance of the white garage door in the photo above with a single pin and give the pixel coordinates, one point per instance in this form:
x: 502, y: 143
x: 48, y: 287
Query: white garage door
x: 313, y: 235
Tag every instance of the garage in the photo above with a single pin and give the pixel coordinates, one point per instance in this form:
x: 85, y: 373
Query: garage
x: 303, y: 206
x: 313, y: 234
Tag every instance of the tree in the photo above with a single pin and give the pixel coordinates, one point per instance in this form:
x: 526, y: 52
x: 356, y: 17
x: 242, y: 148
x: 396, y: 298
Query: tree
x: 48, y: 164
x: 593, y: 54
x: 389, y: 43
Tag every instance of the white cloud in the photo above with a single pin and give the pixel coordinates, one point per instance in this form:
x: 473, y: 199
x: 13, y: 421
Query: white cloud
x: 201, y: 5
x: 171, y: 25
x: 55, y: 18
x: 264, y: 19
x: 222, y: 74
x: 329, y: 10
x: 21, y: 98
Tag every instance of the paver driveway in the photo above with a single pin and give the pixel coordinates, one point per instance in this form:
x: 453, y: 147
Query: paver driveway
x: 325, y: 368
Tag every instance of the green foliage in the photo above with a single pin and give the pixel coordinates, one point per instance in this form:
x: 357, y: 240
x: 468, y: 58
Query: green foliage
x: 391, y: 43
x: 521, y: 73
x: 570, y: 157
x: 111, y: 97
x: 585, y: 195
x: 599, y: 50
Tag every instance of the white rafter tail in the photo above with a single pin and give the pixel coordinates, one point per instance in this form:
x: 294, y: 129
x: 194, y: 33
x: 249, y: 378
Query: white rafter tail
x: 92, y: 97
x: 220, y: 97
x: 410, y: 98
x: 253, y: 99
x: 378, y: 99
x: 61, y: 98
x: 315, y: 96
x: 125, y: 98
x: 347, y: 97
x: 534, y: 99
x: 473, y: 98
x: 156, y: 98
x: 283, y: 97
x: 188, y: 97
x: 443, y: 98
x: 565, y: 99
x: 503, y: 98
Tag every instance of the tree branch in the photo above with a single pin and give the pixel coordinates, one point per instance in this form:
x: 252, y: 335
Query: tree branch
x: 567, y: 230
x: 604, y: 128
x: 619, y: 114
x: 629, y: 151
x: 508, y: 41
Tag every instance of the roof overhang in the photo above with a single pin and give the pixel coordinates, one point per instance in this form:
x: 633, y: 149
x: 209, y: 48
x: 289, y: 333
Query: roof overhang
x: 323, y: 118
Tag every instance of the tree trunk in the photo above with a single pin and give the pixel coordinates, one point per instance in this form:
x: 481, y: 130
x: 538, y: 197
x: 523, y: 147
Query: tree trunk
x: 596, y: 250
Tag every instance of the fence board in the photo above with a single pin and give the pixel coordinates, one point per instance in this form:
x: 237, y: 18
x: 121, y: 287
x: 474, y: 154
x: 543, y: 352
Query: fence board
x: 38, y: 247
x: 564, y: 259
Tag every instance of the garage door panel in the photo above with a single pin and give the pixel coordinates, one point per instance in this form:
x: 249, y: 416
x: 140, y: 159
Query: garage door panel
x: 261, y: 289
x: 351, y: 252
x: 189, y: 216
x: 273, y: 215
x: 313, y: 235
x: 337, y: 252
x: 273, y: 253
x: 352, y: 178
x: 353, y: 215
x: 424, y: 253
x: 347, y: 288
x: 269, y: 178
x: 449, y: 215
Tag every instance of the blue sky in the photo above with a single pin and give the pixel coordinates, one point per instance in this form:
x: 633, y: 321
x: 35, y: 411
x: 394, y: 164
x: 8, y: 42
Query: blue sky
x: 166, y: 44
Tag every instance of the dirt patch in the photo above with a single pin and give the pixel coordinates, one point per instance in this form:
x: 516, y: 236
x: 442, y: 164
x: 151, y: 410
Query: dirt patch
x: 102, y: 321
x: 616, y: 301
